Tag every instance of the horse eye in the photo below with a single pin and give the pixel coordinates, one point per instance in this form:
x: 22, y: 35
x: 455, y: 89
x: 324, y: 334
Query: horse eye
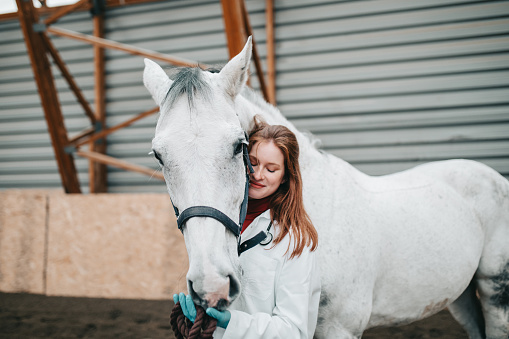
x: 158, y: 157
x: 238, y: 148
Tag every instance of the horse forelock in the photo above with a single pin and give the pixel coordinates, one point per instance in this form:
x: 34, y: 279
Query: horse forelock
x: 191, y: 82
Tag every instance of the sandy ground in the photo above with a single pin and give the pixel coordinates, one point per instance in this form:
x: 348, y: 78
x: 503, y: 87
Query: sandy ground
x: 36, y: 316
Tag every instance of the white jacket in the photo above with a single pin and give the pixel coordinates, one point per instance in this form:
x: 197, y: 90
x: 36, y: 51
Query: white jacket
x: 279, y: 297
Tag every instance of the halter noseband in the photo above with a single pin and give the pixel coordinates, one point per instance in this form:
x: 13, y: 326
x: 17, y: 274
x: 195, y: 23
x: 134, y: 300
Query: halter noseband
x: 206, y: 211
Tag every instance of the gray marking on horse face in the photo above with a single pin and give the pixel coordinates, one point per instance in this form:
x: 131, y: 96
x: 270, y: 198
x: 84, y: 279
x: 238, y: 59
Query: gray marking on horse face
x: 320, y: 321
x: 501, y: 288
x: 188, y: 81
x: 324, y: 300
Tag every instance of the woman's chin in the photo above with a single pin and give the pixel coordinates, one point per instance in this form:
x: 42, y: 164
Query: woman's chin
x: 256, y: 195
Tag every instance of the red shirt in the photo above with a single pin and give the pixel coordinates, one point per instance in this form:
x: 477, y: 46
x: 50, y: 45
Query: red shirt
x: 255, y: 207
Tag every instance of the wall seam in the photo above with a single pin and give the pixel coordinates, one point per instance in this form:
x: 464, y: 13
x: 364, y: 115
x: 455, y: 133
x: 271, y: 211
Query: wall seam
x: 46, y: 244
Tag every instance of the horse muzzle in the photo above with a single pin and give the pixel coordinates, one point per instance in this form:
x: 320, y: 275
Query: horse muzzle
x: 218, y: 292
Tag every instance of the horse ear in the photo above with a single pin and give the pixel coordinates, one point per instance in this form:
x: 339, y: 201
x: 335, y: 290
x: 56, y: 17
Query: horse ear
x: 235, y: 73
x: 156, y: 81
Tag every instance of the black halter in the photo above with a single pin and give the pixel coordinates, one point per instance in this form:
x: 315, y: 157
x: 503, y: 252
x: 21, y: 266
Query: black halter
x: 206, y: 211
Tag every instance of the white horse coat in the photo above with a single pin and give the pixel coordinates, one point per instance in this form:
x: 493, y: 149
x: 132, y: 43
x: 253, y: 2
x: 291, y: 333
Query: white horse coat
x: 392, y: 249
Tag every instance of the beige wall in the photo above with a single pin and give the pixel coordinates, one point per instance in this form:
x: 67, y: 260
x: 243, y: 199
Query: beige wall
x: 102, y: 245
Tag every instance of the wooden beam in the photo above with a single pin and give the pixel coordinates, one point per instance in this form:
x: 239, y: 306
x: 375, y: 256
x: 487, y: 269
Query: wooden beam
x: 271, y: 54
x: 48, y: 94
x: 98, y: 172
x: 256, y: 56
x: 122, y: 3
x: 9, y: 16
x: 123, y: 47
x: 68, y: 77
x: 64, y: 11
x: 107, y: 160
x: 85, y: 7
x: 83, y: 134
x: 110, y: 130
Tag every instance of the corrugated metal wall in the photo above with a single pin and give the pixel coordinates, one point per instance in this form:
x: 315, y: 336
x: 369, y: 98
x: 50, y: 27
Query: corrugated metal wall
x: 26, y: 155
x: 390, y: 84
x: 386, y: 85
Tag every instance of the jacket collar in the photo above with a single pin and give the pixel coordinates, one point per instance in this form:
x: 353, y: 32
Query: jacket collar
x: 259, y: 224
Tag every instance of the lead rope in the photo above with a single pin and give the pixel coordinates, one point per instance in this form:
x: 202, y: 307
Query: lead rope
x: 203, y: 327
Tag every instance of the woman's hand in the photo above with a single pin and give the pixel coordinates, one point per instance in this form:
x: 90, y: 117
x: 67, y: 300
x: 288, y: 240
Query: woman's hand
x: 187, y: 305
x: 223, y: 317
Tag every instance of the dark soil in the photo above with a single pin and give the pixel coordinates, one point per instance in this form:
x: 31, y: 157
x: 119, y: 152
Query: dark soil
x: 36, y: 316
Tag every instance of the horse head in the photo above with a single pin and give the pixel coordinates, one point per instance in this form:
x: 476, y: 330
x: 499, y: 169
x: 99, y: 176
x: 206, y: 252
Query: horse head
x: 199, y: 143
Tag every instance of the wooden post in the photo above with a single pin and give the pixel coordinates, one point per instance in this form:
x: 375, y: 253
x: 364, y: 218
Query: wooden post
x: 255, y: 55
x: 237, y: 29
x: 98, y: 172
x: 48, y: 94
x: 234, y: 26
x: 271, y: 55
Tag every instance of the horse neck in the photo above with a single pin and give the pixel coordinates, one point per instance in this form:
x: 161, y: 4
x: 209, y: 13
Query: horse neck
x: 250, y: 104
x: 247, y: 109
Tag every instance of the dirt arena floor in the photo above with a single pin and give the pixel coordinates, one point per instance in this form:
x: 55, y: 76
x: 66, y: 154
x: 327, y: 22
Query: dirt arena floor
x: 35, y: 316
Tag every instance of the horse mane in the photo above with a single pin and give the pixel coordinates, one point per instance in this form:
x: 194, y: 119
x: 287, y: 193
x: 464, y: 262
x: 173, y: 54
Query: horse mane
x: 255, y: 98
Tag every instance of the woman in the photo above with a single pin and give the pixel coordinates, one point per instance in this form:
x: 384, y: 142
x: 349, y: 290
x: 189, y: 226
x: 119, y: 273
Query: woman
x: 280, y: 280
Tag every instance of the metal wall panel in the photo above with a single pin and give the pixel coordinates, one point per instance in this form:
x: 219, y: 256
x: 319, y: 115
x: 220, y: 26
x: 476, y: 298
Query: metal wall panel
x: 385, y: 84
x: 388, y: 85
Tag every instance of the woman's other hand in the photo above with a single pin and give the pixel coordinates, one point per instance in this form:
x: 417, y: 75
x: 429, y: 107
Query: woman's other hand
x: 187, y: 305
x: 223, y: 317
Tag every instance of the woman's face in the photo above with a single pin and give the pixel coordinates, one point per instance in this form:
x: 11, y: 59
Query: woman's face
x: 269, y: 169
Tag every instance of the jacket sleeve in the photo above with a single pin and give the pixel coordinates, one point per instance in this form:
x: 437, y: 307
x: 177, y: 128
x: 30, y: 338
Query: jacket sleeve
x: 296, y: 291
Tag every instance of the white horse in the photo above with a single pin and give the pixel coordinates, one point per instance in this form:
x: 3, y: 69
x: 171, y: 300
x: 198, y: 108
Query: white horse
x: 392, y: 249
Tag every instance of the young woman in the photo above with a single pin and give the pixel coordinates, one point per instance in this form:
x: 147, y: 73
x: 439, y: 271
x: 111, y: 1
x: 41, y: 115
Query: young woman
x: 280, y: 279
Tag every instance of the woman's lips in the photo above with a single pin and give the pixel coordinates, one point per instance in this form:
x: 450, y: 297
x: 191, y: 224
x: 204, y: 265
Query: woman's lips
x: 256, y: 185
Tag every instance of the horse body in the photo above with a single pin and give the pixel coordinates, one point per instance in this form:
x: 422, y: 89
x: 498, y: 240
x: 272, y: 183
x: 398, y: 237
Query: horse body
x: 392, y: 249
x: 404, y: 246
x: 414, y: 258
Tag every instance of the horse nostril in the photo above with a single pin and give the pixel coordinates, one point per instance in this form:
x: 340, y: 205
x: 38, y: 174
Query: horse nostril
x: 196, y: 298
x: 222, y: 304
x: 234, y: 288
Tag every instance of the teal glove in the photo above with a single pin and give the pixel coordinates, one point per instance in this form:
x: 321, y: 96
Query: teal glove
x: 187, y: 305
x: 223, y: 317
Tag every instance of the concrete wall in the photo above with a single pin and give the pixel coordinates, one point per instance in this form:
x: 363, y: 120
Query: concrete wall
x: 105, y: 245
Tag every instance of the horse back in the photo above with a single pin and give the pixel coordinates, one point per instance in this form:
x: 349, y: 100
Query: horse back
x: 483, y: 188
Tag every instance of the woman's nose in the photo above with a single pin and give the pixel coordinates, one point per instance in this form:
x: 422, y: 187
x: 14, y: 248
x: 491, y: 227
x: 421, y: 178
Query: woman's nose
x: 257, y: 173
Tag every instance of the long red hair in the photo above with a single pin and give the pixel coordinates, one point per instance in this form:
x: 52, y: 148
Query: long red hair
x: 286, y: 205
